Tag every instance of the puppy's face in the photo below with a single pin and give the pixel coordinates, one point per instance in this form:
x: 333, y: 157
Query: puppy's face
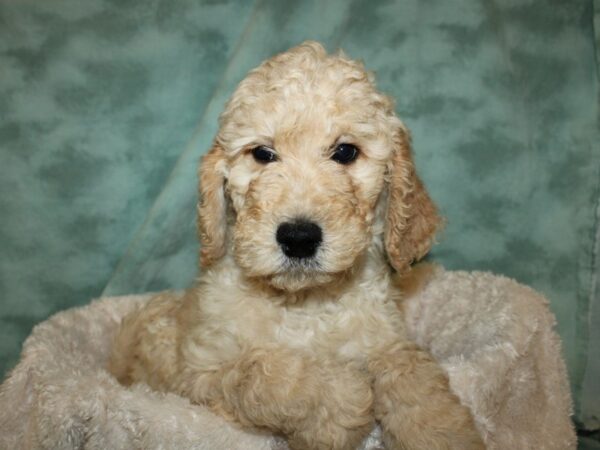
x: 304, y: 150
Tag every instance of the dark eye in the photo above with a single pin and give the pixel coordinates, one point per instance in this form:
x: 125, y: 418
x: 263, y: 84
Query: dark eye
x: 264, y: 155
x: 345, y: 153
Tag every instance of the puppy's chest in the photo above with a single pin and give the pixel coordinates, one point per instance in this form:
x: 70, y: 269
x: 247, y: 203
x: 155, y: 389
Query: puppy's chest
x: 348, y: 328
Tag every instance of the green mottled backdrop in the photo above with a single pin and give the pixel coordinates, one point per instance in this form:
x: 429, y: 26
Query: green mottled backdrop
x: 106, y: 106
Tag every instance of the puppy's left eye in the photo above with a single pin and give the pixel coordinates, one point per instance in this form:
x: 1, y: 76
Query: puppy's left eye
x: 345, y: 153
x: 264, y: 155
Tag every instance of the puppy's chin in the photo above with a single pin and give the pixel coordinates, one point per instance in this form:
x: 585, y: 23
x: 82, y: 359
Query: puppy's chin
x: 296, y: 280
x: 290, y: 275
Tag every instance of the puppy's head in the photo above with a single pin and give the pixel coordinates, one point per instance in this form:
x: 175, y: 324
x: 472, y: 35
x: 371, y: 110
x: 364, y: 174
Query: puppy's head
x: 309, y: 165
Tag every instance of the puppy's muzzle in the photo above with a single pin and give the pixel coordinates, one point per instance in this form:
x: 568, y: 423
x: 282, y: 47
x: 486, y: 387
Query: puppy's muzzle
x: 299, y: 239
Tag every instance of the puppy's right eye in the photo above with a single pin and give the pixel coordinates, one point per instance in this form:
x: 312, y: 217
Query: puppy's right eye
x: 345, y: 153
x: 264, y: 155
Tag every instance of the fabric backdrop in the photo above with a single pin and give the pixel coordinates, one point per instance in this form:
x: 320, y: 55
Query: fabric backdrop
x: 107, y: 105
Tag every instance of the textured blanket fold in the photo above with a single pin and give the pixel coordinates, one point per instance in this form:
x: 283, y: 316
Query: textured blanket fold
x: 494, y: 337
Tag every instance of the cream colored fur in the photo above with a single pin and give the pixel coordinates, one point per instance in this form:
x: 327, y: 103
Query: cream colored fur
x: 313, y: 349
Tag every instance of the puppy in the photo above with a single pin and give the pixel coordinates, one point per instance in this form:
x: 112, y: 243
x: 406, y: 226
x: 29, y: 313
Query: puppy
x: 309, y: 203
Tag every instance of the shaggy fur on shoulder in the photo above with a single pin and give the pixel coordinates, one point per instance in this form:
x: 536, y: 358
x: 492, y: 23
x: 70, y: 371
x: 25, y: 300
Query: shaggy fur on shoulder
x: 307, y: 197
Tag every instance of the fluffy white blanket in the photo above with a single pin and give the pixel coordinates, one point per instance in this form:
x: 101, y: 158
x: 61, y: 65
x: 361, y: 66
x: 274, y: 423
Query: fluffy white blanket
x: 494, y: 337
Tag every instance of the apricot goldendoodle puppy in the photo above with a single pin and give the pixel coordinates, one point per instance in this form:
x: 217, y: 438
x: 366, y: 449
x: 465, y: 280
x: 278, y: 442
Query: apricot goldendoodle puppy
x: 309, y: 204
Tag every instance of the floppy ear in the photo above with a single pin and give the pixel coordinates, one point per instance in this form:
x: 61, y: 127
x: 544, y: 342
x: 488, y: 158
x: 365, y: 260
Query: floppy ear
x: 212, y: 207
x: 411, y: 216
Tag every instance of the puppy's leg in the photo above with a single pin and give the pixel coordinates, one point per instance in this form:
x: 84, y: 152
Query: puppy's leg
x: 145, y: 346
x: 414, y: 404
x: 316, y: 405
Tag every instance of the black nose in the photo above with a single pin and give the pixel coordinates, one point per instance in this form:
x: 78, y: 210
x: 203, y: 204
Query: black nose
x: 299, y: 239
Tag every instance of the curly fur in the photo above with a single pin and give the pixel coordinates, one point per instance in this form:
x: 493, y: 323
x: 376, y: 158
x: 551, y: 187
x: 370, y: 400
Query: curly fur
x: 314, y: 350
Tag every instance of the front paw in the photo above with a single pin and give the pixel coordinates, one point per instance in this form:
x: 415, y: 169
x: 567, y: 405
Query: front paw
x: 415, y: 406
x: 316, y: 404
x: 448, y: 426
x: 343, y: 414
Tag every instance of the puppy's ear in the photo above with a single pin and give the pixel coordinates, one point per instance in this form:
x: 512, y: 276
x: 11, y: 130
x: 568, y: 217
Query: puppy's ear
x: 411, y: 216
x: 212, y: 206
